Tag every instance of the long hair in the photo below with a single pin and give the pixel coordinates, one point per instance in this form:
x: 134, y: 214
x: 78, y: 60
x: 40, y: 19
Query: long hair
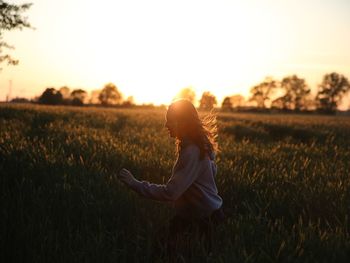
x: 202, y: 131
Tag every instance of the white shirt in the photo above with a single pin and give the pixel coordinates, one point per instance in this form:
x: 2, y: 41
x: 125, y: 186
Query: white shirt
x: 191, y: 187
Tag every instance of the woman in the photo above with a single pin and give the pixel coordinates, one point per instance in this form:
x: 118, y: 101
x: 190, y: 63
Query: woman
x: 191, y: 187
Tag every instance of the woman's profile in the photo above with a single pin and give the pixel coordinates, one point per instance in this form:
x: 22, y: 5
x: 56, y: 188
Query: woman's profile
x: 191, y: 187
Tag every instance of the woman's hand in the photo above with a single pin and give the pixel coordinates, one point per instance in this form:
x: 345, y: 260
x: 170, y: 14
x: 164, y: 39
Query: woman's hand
x: 126, y: 177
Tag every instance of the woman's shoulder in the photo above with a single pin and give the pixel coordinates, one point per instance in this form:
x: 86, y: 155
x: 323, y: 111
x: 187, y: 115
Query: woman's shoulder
x: 190, y: 148
x: 187, y: 154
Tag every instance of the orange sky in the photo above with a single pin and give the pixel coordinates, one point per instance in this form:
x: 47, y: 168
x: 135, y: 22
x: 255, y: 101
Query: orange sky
x: 151, y: 49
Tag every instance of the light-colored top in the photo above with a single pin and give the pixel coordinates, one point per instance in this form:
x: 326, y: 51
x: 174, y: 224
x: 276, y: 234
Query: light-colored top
x: 191, y: 188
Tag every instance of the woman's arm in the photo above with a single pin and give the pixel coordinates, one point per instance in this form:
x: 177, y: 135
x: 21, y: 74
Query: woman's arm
x: 183, y: 176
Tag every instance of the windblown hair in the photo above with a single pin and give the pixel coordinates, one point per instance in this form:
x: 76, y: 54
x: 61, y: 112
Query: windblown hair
x: 202, y: 131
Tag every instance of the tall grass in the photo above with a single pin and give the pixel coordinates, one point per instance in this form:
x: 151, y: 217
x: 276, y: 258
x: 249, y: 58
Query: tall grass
x: 284, y: 180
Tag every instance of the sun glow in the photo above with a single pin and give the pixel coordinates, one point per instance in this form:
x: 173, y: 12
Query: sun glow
x: 152, y: 49
x: 205, y: 46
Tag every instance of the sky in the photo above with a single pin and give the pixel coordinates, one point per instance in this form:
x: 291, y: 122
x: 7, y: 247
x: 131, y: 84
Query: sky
x: 152, y: 49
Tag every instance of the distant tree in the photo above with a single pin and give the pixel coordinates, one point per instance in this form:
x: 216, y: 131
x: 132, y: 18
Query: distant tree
x: 207, y: 101
x: 129, y: 102
x: 20, y: 100
x: 330, y: 92
x: 110, y: 95
x: 226, y: 104
x: 309, y: 104
x: 94, y: 96
x: 237, y: 101
x: 10, y: 19
x: 261, y: 93
x: 65, y: 91
x: 51, y: 97
x: 78, y: 97
x: 295, y: 95
x: 187, y: 93
x: 278, y: 103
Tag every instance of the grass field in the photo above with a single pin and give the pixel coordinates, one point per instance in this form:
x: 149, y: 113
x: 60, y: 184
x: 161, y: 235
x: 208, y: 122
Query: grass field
x: 284, y: 180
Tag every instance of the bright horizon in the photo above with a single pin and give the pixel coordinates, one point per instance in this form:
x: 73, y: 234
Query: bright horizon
x: 152, y: 49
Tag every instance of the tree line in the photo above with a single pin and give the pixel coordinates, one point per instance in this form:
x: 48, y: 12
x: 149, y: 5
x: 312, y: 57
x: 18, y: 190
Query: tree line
x: 295, y: 94
x: 109, y: 95
x: 290, y: 94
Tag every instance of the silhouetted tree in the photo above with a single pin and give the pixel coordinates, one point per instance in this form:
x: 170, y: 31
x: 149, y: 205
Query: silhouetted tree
x: 277, y: 103
x: 129, y: 102
x: 296, y: 92
x: 237, y: 101
x: 94, y: 96
x: 187, y: 93
x: 110, y: 95
x: 11, y: 18
x: 51, y: 97
x: 207, y: 101
x: 20, y: 100
x: 331, y: 91
x: 65, y: 91
x: 66, y: 95
x: 78, y: 97
x: 309, y: 104
x: 261, y: 93
x: 226, y: 104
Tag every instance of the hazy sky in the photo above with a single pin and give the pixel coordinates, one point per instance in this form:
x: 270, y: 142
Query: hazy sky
x: 151, y: 49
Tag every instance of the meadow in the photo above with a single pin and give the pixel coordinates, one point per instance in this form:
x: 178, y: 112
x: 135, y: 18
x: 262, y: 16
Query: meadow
x: 284, y: 180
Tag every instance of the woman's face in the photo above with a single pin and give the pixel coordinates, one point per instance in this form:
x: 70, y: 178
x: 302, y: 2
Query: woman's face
x: 171, y: 124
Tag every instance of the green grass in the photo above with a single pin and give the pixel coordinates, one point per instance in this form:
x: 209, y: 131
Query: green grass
x: 284, y: 180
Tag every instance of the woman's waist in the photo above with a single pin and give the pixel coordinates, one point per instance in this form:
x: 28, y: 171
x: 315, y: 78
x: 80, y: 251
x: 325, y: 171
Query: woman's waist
x: 196, y: 210
x: 198, y: 196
